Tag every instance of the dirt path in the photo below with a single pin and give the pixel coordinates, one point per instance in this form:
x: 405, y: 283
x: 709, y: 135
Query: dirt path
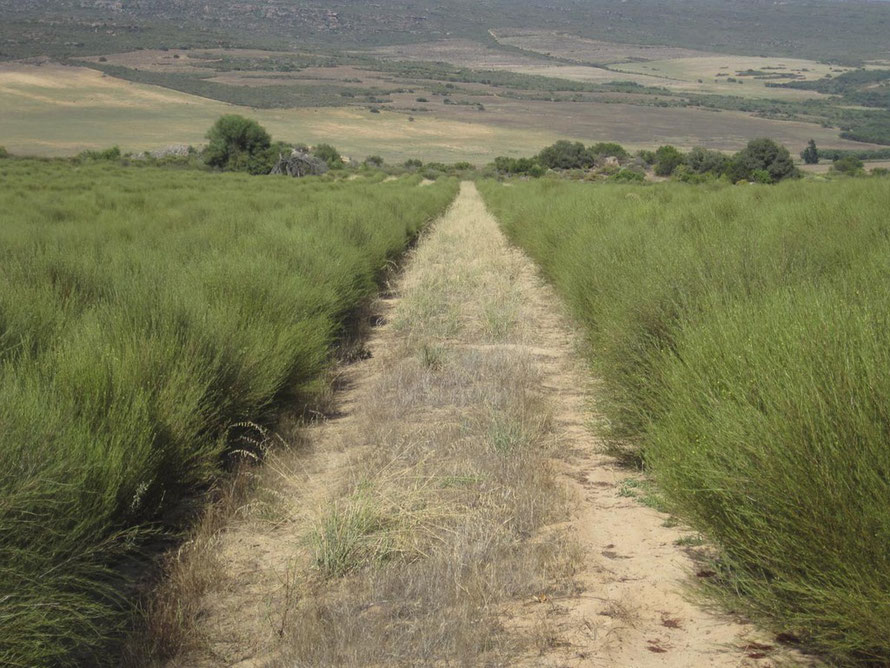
x: 457, y: 508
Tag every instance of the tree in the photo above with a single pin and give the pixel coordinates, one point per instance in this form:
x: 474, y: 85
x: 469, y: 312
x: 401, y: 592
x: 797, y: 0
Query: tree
x: 849, y: 164
x: 762, y: 155
x: 374, y: 161
x: 238, y: 144
x: 607, y: 149
x: 565, y: 155
x: 703, y: 161
x: 329, y: 154
x: 667, y: 159
x: 810, y: 154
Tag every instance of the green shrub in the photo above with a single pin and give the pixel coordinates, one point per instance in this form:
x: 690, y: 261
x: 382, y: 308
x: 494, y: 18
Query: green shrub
x: 849, y: 165
x: 703, y: 161
x: 607, y: 149
x: 744, y: 339
x: 810, y: 155
x: 667, y: 159
x: 3, y: 153
x: 566, y: 155
x: 762, y: 156
x: 628, y: 176
x: 143, y: 312
x: 330, y: 155
x: 110, y: 154
x: 238, y: 144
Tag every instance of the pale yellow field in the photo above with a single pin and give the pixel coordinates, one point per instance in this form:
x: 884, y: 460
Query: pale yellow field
x: 56, y: 110
x: 572, y: 47
x: 683, y: 74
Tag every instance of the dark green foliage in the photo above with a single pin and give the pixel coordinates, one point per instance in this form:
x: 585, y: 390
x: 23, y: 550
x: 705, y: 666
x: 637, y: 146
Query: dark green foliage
x: 566, y: 155
x: 627, y: 175
x: 764, y: 161
x: 810, y: 155
x: 867, y: 154
x: 744, y: 338
x: 667, y: 159
x: 3, y: 153
x: 849, y: 164
x: 111, y: 154
x: 703, y: 161
x: 374, y: 161
x: 238, y: 144
x: 329, y: 154
x: 867, y: 88
x: 607, y: 149
x: 143, y: 312
x: 513, y: 166
x: 413, y: 163
x: 648, y: 157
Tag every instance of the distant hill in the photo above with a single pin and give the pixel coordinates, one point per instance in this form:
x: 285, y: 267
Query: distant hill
x: 849, y: 31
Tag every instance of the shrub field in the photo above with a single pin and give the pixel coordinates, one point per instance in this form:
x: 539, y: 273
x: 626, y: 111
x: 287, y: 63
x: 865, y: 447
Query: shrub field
x: 142, y: 314
x: 744, y: 337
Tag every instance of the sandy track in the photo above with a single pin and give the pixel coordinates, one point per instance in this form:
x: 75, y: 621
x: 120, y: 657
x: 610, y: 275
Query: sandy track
x: 558, y: 566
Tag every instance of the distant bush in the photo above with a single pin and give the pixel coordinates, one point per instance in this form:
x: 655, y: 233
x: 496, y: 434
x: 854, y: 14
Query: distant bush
x: 762, y: 156
x: 374, y: 161
x: 113, y: 153
x: 648, y: 157
x: 607, y: 149
x: 703, y: 161
x: 628, y: 176
x: 413, y: 163
x: 566, y: 155
x: 329, y: 154
x: 238, y: 144
x: 667, y: 159
x: 3, y: 152
x: 880, y: 171
x: 810, y: 155
x: 849, y: 165
x: 527, y: 166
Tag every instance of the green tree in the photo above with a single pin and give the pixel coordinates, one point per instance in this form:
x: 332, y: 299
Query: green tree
x: 565, y: 155
x: 810, y: 154
x: 236, y: 143
x: 607, y: 149
x: 330, y: 155
x: 374, y: 161
x: 849, y: 164
x: 703, y: 161
x: 667, y: 159
x: 762, y: 155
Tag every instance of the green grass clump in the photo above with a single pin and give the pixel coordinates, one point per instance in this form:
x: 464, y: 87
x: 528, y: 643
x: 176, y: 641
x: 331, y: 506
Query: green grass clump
x: 744, y: 334
x: 142, y: 313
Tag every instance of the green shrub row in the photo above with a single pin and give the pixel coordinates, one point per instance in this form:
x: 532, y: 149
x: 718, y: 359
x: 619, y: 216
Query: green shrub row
x: 744, y: 337
x: 143, y: 313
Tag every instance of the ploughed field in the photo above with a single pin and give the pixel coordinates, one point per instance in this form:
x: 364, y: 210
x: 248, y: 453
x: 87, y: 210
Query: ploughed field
x: 744, y: 338
x: 143, y: 315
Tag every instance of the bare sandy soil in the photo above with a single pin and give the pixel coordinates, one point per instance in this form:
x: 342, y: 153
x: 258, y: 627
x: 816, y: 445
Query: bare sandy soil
x: 456, y: 507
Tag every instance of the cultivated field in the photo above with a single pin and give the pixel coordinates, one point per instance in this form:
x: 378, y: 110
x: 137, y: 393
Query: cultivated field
x: 567, y: 46
x: 57, y: 110
x: 742, y: 333
x: 144, y: 314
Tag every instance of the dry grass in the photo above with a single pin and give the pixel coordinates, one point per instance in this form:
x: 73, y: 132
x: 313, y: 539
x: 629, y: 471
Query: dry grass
x: 413, y: 529
x: 441, y: 522
x: 571, y: 47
